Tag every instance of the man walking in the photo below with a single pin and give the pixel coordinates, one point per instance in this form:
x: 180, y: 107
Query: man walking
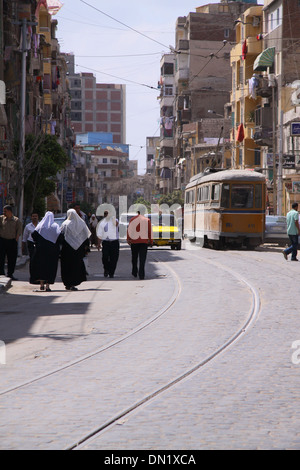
x: 108, y: 236
x: 292, y: 220
x: 10, y: 231
x: 27, y: 241
x: 139, y: 236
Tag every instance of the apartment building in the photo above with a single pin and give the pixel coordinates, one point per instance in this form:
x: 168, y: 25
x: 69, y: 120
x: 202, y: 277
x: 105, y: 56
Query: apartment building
x: 165, y: 159
x: 250, y: 92
x: 265, y: 98
x: 281, y: 36
x: 96, y: 107
x: 203, y: 41
x: 39, y: 90
x: 97, y: 169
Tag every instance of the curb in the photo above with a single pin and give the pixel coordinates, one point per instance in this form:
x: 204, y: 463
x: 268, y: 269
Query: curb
x: 6, y: 282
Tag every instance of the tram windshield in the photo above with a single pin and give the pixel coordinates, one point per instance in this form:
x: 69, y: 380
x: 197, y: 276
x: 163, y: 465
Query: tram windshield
x: 242, y: 196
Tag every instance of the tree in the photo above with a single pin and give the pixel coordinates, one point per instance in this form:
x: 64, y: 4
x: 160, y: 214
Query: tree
x: 44, y: 158
x: 141, y: 201
x: 173, y: 198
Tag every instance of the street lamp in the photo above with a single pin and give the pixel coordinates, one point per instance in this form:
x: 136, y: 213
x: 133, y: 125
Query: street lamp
x: 211, y: 111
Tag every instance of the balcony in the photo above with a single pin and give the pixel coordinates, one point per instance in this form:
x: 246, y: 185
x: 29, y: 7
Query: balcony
x: 166, y: 162
x: 263, y: 131
x: 263, y: 89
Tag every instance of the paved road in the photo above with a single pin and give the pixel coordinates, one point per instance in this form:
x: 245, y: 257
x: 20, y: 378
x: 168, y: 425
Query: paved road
x: 192, y: 303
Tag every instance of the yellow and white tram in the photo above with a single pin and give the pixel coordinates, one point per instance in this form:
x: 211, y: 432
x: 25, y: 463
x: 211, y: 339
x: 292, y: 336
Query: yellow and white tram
x: 225, y: 207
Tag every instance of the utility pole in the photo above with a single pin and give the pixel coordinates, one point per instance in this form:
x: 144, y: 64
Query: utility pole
x: 274, y: 154
x: 24, y: 23
x: 280, y: 166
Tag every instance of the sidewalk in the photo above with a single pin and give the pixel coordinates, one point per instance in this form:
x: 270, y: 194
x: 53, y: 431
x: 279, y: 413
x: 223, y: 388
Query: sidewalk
x: 5, y: 282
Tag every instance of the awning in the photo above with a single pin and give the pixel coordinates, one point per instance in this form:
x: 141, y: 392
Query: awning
x: 264, y: 60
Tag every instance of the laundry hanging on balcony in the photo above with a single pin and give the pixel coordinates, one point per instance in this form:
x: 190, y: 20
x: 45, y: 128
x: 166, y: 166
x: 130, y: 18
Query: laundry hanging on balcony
x: 244, y: 50
x: 264, y: 60
x: 53, y: 6
x: 240, y: 133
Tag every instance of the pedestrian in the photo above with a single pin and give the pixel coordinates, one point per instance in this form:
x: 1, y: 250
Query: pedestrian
x: 45, y: 258
x: 80, y: 213
x: 10, y: 231
x: 93, y: 229
x: 108, y: 237
x: 27, y: 241
x: 75, y: 241
x: 292, y: 220
x: 139, y: 236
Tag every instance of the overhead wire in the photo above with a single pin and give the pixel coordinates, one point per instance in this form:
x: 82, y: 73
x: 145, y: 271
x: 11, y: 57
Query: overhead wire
x: 124, y: 24
x: 119, y: 78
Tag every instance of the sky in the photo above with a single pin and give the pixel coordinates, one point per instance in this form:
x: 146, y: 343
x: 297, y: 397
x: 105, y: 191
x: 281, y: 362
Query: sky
x: 114, y: 53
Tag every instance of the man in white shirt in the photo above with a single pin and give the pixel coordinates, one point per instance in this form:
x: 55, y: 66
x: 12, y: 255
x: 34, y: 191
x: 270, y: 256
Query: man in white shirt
x: 27, y: 241
x: 108, y: 237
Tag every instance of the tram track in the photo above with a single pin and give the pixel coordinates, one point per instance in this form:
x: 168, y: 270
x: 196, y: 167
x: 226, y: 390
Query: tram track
x: 252, y: 317
x: 105, y: 347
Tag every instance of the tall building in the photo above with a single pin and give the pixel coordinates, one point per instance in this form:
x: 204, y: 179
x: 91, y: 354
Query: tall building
x: 195, y: 80
x: 96, y: 107
x: 165, y: 160
x: 38, y: 91
x: 249, y: 92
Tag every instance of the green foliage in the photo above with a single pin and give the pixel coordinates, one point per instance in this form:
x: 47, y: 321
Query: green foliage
x: 173, y: 198
x: 140, y: 200
x: 44, y: 158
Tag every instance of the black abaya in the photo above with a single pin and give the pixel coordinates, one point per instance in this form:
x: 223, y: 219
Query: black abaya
x: 73, y: 270
x: 43, y: 266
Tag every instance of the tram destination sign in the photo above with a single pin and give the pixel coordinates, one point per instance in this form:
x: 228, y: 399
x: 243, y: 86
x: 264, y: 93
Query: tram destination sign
x: 295, y: 129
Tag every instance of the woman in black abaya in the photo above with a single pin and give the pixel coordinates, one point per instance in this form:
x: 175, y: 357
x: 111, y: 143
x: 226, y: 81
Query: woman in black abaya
x: 74, y: 244
x: 43, y: 267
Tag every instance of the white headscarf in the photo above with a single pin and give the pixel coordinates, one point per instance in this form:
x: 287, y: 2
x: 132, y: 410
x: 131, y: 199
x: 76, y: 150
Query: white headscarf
x: 47, y: 228
x: 75, y: 229
x: 93, y: 221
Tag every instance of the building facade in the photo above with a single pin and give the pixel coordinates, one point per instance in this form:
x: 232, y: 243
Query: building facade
x: 96, y: 107
x: 33, y: 76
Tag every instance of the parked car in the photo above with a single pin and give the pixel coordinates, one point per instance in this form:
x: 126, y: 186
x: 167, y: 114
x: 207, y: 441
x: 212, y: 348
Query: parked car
x: 276, y: 230
x: 60, y: 219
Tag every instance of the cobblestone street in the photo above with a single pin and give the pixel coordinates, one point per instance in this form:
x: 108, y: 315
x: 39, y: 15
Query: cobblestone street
x: 197, y: 356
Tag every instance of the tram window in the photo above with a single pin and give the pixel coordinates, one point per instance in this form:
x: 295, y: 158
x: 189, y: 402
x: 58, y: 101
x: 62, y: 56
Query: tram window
x: 215, y: 192
x: 242, y: 196
x: 199, y: 195
x: 258, y: 196
x: 225, y: 196
x: 189, y: 197
x: 205, y: 193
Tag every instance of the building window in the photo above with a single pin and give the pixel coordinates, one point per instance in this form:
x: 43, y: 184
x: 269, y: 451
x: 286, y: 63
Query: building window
x: 167, y: 69
x: 76, y: 117
x: 257, y: 157
x: 168, y: 90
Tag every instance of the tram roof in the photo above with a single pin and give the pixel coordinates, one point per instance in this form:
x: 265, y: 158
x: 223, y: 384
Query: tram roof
x: 226, y: 175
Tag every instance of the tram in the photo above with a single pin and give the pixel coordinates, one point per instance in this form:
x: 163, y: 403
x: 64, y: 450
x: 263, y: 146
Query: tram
x: 225, y: 207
